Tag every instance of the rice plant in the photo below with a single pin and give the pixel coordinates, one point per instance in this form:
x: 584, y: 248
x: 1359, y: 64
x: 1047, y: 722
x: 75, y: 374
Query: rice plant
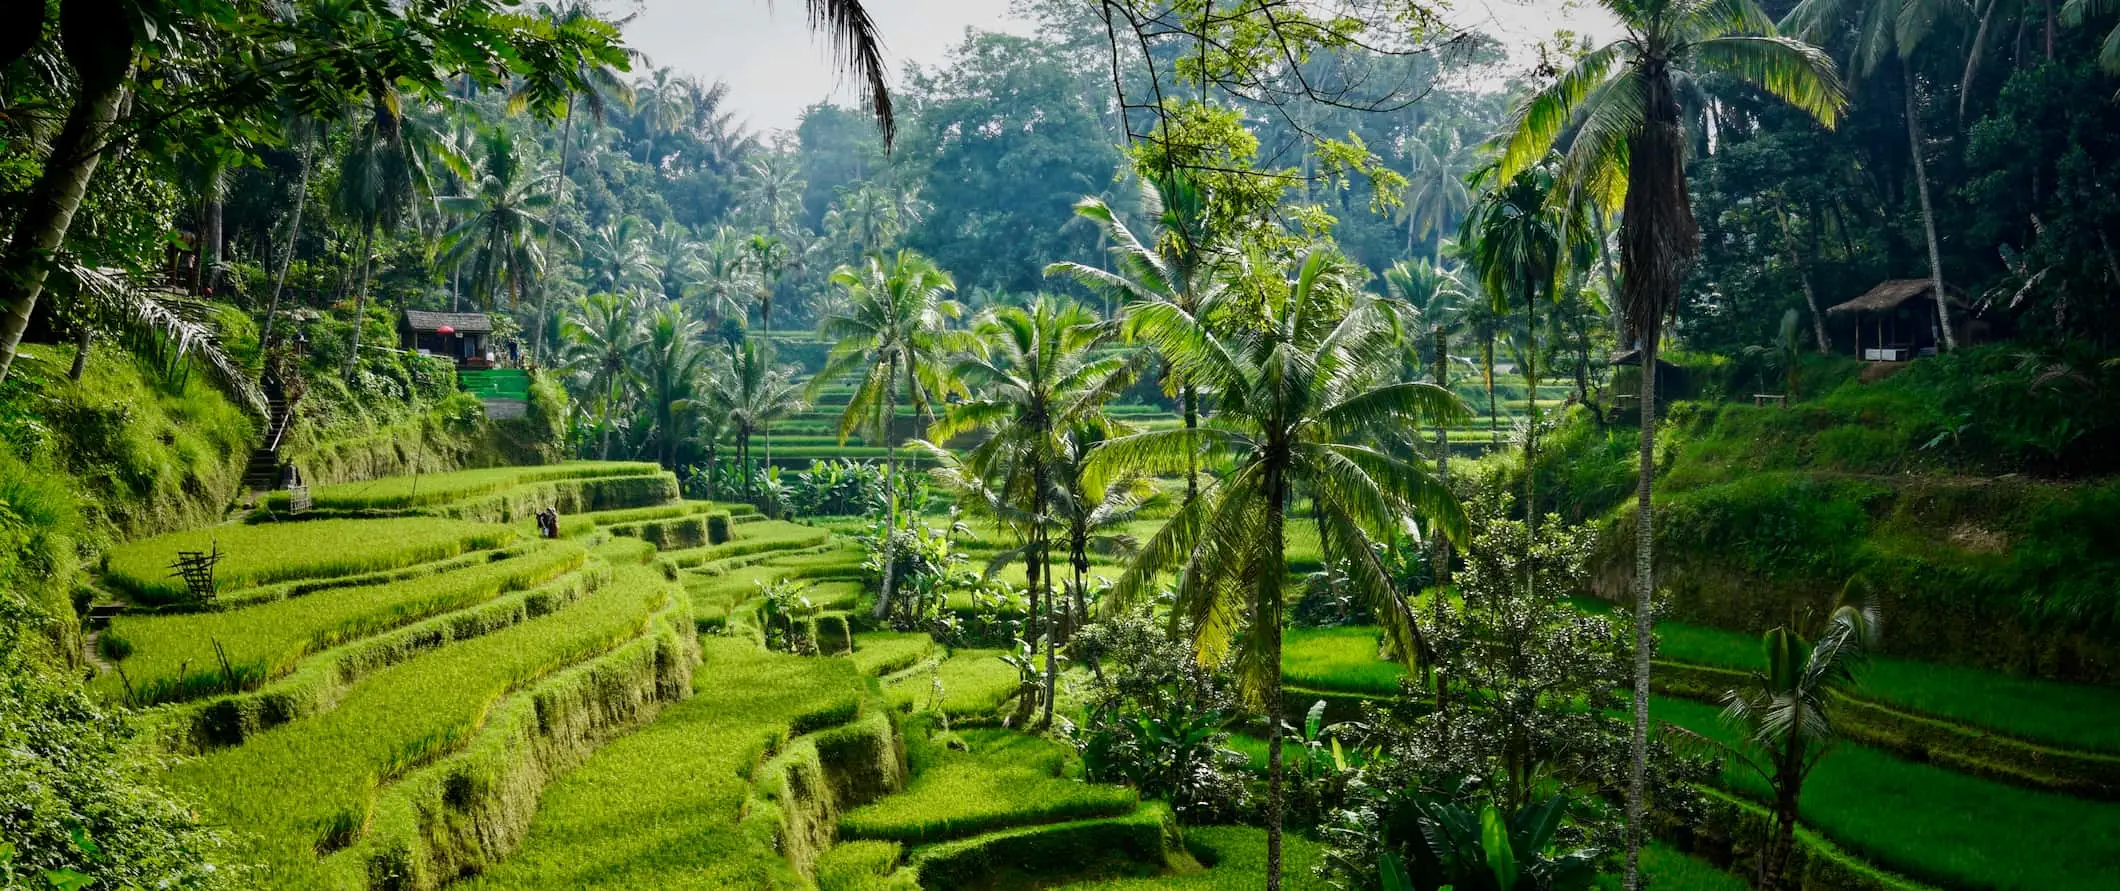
x: 264, y: 553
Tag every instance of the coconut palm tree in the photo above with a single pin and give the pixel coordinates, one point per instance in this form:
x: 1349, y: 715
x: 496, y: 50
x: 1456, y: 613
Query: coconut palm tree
x: 2077, y: 13
x: 603, y: 343
x: 1033, y: 375
x: 1516, y: 243
x: 726, y: 280
x: 1882, y: 28
x: 1176, y: 266
x: 1428, y: 299
x: 670, y: 362
x: 502, y: 220
x: 596, y: 85
x: 615, y: 256
x: 1295, y: 399
x: 1435, y: 189
x: 382, y: 182
x: 678, y: 264
x: 756, y: 393
x: 1093, y: 513
x: 890, y: 337
x: 1631, y: 141
x: 768, y: 257
x: 772, y: 193
x: 1787, y: 725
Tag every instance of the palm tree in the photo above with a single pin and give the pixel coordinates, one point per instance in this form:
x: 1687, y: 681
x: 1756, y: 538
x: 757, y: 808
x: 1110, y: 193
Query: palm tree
x: 891, y: 336
x: 670, y: 362
x: 616, y: 258
x: 772, y: 193
x: 1787, y: 725
x: 678, y: 262
x: 1435, y: 189
x: 309, y: 131
x: 1885, y: 27
x: 756, y: 393
x: 597, y: 85
x: 501, y: 222
x: 1033, y: 376
x: 726, y: 280
x: 1515, y: 240
x: 2076, y: 13
x: 659, y: 108
x: 1176, y: 267
x: 1294, y: 398
x: 382, y: 177
x: 603, y: 342
x: 1092, y: 512
x: 868, y: 217
x: 768, y: 258
x: 1631, y: 142
x: 1429, y: 298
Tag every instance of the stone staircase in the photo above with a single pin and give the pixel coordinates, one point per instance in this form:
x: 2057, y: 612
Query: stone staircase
x: 262, y: 473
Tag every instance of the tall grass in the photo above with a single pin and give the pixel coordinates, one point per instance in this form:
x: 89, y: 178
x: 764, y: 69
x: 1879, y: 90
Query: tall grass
x: 273, y: 552
x: 974, y: 684
x: 663, y: 806
x: 297, y: 785
x: 173, y: 656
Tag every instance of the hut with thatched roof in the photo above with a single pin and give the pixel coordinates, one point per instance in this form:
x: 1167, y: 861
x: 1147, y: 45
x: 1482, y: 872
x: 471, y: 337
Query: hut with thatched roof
x: 459, y: 336
x: 1897, y: 320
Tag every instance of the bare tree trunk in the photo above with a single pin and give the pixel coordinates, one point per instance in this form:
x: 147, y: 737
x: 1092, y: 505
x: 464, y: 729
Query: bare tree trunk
x: 1644, y: 620
x: 210, y: 229
x: 559, y: 203
x: 1442, y: 451
x: 890, y: 484
x: 360, y: 301
x: 1494, y: 418
x: 1604, y: 253
x: 49, y: 212
x: 1191, y: 398
x: 294, y: 235
x: 1803, y: 275
x: 82, y: 336
x: 1266, y: 619
x: 1052, y: 628
x: 1928, y: 212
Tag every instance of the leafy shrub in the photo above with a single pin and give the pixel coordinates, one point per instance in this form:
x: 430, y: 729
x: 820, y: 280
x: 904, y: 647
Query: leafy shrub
x: 1156, y: 719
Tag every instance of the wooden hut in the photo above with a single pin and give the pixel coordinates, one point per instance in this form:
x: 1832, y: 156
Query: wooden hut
x: 461, y: 336
x: 1897, y: 320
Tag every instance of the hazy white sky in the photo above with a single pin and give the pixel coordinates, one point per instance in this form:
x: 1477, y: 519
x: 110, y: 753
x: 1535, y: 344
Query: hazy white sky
x: 775, y: 67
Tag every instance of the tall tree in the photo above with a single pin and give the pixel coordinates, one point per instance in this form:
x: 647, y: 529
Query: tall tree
x: 1883, y: 28
x: 382, y: 182
x: 890, y: 337
x: 501, y: 222
x: 1435, y: 191
x: 603, y: 342
x: 670, y: 362
x: 1295, y: 409
x: 615, y: 257
x: 1033, y: 375
x: 756, y: 393
x: 1632, y: 141
x: 595, y: 83
x: 1177, y: 267
x: 1515, y: 240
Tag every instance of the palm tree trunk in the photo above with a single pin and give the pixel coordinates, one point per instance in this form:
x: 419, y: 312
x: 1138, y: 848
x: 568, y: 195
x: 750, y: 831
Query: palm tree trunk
x: 1052, y: 628
x: 1531, y: 379
x: 1442, y: 451
x: 1928, y: 212
x: 1788, y: 790
x: 1266, y: 620
x: 82, y: 335
x: 1644, y: 621
x: 49, y: 212
x: 559, y: 202
x: 360, y: 301
x: 1494, y: 418
x: 1604, y: 253
x: 210, y: 230
x: 890, y: 484
x: 1803, y: 277
x: 294, y: 235
x: 1191, y: 397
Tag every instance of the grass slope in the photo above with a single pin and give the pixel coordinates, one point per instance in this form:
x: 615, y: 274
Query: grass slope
x: 276, y: 552
x: 295, y: 786
x: 1007, y: 779
x: 662, y: 807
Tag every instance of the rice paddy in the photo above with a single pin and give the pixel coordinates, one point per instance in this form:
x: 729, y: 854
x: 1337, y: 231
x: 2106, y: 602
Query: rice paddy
x: 261, y: 554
